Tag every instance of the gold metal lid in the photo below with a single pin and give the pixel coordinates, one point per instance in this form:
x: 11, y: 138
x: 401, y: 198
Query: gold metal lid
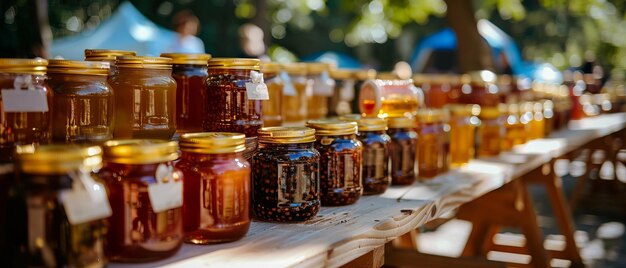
x: 342, y: 74
x: 188, y: 58
x: 270, y: 67
x: 365, y: 74
x: 141, y: 62
x: 57, y: 159
x: 235, y: 63
x: 387, y: 76
x: 425, y: 116
x: 213, y: 142
x: 317, y: 67
x: 78, y: 67
x: 350, y: 117
x: 286, y: 135
x: 401, y: 122
x: 332, y: 127
x: 24, y: 66
x: 372, y: 124
x: 295, y: 68
x: 136, y: 152
x: 106, y: 54
x: 463, y: 109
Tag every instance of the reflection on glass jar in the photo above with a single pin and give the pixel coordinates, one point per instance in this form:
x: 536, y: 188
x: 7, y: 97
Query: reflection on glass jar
x: 491, y: 130
x: 216, y: 187
x: 341, y: 157
x: 145, y: 192
x: 389, y: 98
x: 463, y: 122
x: 286, y: 182
x: 322, y: 89
x: 273, y: 108
x: 83, y: 101
x: 295, y: 93
x: 145, y: 98
x: 432, y: 155
x: 514, y: 133
x: 107, y: 55
x: 25, y: 104
x: 402, y: 150
x: 64, y: 222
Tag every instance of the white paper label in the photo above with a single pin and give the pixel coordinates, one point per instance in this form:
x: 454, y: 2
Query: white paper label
x: 166, y: 195
x: 256, y: 88
x: 17, y: 100
x: 86, y: 201
x: 323, y: 85
x: 288, y: 88
x: 347, y: 90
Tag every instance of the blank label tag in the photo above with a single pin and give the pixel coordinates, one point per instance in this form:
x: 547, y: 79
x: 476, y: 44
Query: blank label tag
x: 257, y: 91
x: 85, y: 205
x: 24, y: 100
x: 164, y: 196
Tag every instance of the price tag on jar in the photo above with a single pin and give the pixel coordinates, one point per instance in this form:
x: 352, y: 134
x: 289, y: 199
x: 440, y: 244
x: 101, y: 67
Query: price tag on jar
x: 167, y: 193
x: 28, y: 99
x: 256, y: 88
x: 86, y: 201
x: 323, y: 85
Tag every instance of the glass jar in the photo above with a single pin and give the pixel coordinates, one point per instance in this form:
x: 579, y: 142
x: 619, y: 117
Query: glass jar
x: 322, y: 89
x: 145, y: 191
x: 480, y: 90
x: 491, y: 130
x: 533, y: 115
x: 25, y: 104
x: 343, y: 94
x: 235, y: 91
x: 431, y: 150
x: 62, y: 218
x: 463, y: 122
x: 514, y: 133
x: 361, y: 76
x: 295, y: 93
x: 145, y: 98
x: 402, y: 149
x: 286, y: 178
x: 83, y: 101
x: 273, y: 108
x: 436, y: 89
x: 107, y: 55
x: 216, y: 187
x: 341, y: 157
x: 372, y: 133
x: 190, y: 73
x: 390, y: 98
x: 548, y: 117
x: 577, y: 87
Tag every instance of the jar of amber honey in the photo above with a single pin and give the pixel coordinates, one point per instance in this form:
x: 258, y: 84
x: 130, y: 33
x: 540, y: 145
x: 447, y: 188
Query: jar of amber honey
x: 515, y: 129
x: 296, y: 87
x: 533, y: 115
x: 431, y: 143
x: 480, y: 88
x: 491, y: 130
x: 25, y: 104
x: 66, y: 207
x: 190, y: 73
x: 107, y: 55
x: 273, y: 108
x: 322, y: 90
x: 146, y: 195
x: 389, y: 98
x: 463, y: 122
x: 341, y: 157
x: 402, y: 149
x: 145, y: 98
x: 548, y: 117
x: 83, y: 101
x: 436, y: 89
x: 286, y: 178
x: 216, y: 188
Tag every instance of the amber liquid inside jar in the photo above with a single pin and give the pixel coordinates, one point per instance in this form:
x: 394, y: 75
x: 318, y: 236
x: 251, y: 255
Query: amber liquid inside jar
x: 462, y: 133
x: 436, y: 92
x: 402, y: 155
x: 515, y: 131
x: 190, y: 96
x: 389, y: 98
x: 273, y: 108
x: 430, y: 146
x: 491, y: 131
x: 295, y: 99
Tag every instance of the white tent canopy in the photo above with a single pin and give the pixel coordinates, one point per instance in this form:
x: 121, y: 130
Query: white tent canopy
x: 126, y: 29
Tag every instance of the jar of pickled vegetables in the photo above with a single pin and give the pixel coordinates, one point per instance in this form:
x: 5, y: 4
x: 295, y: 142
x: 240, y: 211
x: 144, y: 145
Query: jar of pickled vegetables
x: 389, y: 98
x: 107, y: 55
x: 515, y: 130
x: 343, y: 94
x: 235, y: 91
x: 341, y: 157
x: 372, y: 133
x: 66, y: 207
x: 286, y: 178
x: 491, y: 130
x: 190, y: 72
x: 295, y: 93
x: 216, y: 187
x: 83, y: 101
x: 402, y: 149
x: 25, y: 104
x: 273, y: 108
x: 431, y: 148
x: 322, y: 89
x: 146, y: 195
x: 463, y: 122
x: 481, y: 89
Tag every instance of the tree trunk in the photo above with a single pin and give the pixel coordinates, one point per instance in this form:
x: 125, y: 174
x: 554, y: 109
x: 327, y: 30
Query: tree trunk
x: 473, y: 51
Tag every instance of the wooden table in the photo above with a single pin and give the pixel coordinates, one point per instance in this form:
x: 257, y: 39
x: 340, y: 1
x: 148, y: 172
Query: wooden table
x: 358, y: 233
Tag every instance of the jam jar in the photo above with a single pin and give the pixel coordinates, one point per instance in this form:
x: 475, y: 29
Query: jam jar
x: 436, y: 89
x: 463, y: 122
x: 323, y: 87
x: 402, y: 149
x: 216, y: 187
x: 145, y: 191
x: 431, y: 148
x: 62, y: 219
x: 295, y: 93
x: 389, y: 98
x: 273, y: 108
x: 515, y: 129
x: 25, y: 104
x: 107, y: 55
x: 372, y: 133
x: 145, y: 98
x: 491, y: 130
x: 341, y: 157
x: 190, y: 73
x: 286, y: 182
x: 235, y: 91
x: 83, y: 101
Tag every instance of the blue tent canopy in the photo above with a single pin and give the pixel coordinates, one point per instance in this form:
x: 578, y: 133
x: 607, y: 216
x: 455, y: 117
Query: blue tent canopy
x: 342, y: 60
x: 126, y: 29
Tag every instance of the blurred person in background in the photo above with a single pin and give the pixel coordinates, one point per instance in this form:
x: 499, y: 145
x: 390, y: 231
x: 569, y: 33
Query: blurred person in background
x: 251, y: 41
x: 186, y: 25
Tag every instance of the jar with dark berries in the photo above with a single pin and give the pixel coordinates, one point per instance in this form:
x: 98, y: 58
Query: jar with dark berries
x: 285, y: 180
x: 402, y: 149
x: 340, y: 161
